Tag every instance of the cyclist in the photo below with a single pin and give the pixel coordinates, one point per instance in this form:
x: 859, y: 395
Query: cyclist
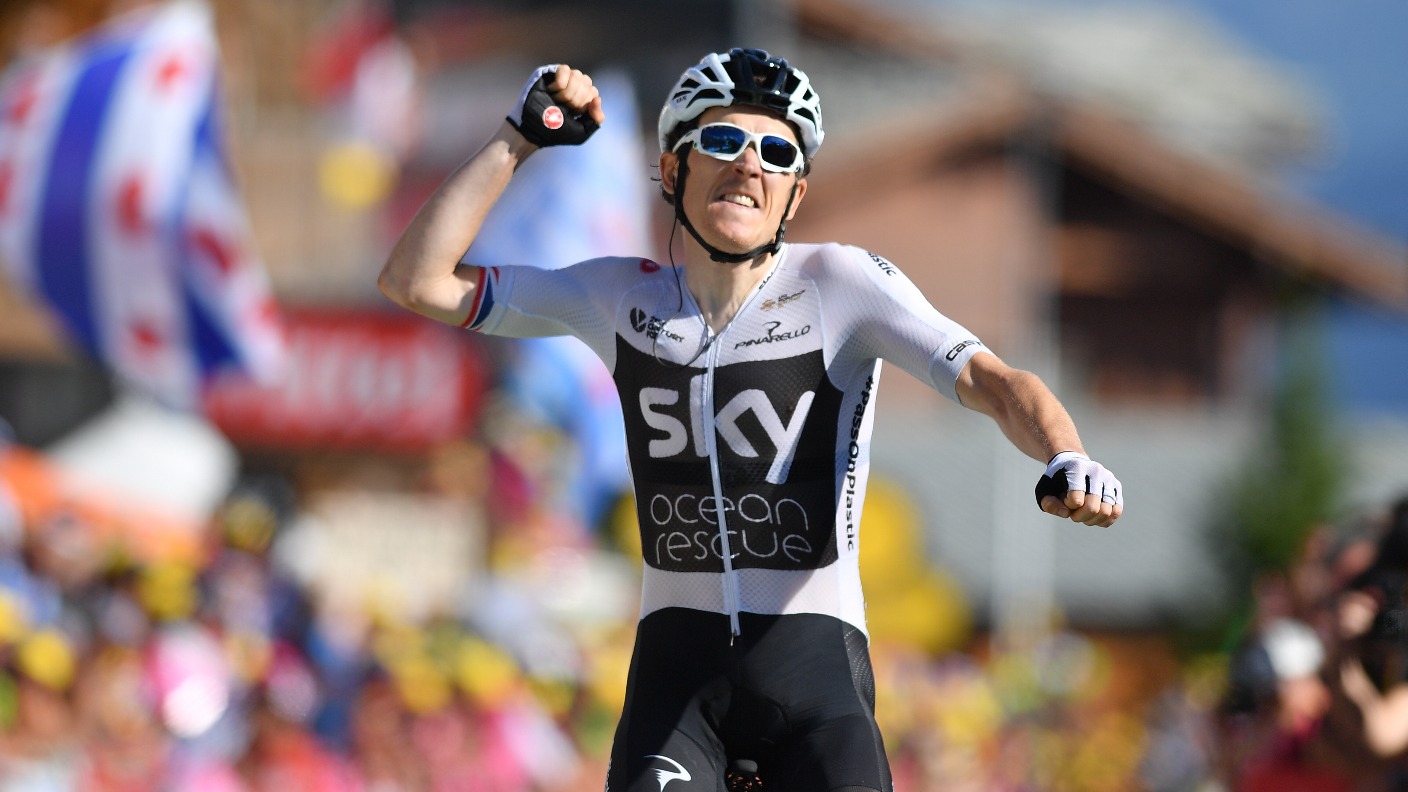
x: 747, y: 375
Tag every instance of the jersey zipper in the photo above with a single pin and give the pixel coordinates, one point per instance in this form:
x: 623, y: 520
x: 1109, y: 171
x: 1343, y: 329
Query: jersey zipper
x: 731, y: 592
x: 730, y: 576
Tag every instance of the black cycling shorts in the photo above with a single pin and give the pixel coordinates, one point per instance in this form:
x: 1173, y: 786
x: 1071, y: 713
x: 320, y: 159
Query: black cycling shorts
x: 793, y: 693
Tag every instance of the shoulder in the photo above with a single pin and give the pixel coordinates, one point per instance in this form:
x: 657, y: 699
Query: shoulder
x: 822, y: 254
x: 829, y: 259
x: 611, y: 272
x: 842, y: 263
x: 627, y: 266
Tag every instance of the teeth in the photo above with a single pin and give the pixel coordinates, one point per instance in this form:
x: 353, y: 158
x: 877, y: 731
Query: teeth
x: 741, y: 200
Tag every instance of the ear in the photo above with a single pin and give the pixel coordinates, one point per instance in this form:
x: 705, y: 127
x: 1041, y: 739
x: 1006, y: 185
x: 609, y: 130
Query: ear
x: 669, y: 171
x: 797, y: 201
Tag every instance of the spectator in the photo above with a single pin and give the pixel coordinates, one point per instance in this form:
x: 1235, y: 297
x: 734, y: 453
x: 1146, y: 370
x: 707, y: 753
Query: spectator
x: 1289, y: 754
x: 1370, y: 677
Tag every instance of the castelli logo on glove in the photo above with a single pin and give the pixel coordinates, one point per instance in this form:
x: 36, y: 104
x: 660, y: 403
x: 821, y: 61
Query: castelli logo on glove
x: 542, y: 121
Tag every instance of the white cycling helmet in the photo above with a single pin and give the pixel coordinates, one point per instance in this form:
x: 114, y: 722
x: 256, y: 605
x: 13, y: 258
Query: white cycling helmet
x: 747, y: 77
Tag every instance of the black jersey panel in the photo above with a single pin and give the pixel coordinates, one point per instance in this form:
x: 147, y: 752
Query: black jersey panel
x: 775, y: 424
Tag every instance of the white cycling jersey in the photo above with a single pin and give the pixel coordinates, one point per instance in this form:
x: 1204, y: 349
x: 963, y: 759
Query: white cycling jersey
x: 749, y: 448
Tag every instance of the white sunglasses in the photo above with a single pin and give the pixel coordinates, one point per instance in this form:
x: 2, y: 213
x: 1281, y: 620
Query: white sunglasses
x: 726, y: 142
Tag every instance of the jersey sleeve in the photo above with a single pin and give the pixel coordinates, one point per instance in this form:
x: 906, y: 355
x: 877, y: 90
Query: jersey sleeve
x: 528, y: 302
x: 884, y: 315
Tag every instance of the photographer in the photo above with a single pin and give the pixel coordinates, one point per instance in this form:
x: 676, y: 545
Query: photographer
x: 1371, y: 681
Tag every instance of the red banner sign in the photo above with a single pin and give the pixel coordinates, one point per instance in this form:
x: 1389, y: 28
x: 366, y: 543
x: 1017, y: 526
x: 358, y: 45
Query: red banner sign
x: 358, y: 380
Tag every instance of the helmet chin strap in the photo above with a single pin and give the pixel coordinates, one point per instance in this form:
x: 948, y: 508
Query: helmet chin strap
x: 714, y: 253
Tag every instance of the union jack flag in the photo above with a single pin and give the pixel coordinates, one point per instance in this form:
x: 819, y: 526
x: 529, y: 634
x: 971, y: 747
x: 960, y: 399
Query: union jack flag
x: 118, y: 208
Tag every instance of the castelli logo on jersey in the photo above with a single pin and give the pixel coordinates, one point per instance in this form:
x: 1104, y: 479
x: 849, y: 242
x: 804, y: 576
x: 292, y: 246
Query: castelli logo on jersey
x: 962, y: 345
x: 647, y: 266
x: 552, y: 117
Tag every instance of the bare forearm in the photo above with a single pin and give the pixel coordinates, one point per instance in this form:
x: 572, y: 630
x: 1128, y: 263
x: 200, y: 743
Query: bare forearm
x: 1384, y: 716
x: 1026, y: 411
x: 1034, y: 420
x: 422, y: 272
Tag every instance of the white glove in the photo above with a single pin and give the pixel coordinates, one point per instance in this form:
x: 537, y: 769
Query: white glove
x: 1069, y: 470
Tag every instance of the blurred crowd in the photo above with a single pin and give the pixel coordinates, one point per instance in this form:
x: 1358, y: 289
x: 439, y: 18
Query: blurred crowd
x: 1316, y: 695
x: 227, y: 671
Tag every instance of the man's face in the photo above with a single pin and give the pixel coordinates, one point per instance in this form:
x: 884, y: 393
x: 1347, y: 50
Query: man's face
x: 736, y: 206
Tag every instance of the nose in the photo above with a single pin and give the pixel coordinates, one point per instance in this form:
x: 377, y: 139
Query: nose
x: 750, y: 160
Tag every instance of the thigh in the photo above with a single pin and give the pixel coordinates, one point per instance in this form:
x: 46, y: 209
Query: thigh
x: 818, y: 669
x: 666, y: 739
x: 677, y: 757
x: 842, y: 752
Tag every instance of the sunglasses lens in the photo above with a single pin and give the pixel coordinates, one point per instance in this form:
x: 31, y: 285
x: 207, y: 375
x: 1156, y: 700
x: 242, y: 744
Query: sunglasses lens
x: 726, y: 142
x: 778, y: 152
x: 718, y: 140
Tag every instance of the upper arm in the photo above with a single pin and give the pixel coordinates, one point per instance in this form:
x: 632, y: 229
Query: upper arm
x: 447, y: 297
x: 889, y: 318
x: 581, y: 300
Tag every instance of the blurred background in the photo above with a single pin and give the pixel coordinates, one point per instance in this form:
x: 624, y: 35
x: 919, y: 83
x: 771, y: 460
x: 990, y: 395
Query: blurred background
x: 261, y: 530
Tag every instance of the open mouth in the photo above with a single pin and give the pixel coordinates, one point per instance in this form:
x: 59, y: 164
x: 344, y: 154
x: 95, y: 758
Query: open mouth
x: 740, y: 200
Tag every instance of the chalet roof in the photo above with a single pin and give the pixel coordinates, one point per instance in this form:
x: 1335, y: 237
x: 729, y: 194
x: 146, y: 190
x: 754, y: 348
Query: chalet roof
x: 1165, y: 68
x: 927, y: 95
